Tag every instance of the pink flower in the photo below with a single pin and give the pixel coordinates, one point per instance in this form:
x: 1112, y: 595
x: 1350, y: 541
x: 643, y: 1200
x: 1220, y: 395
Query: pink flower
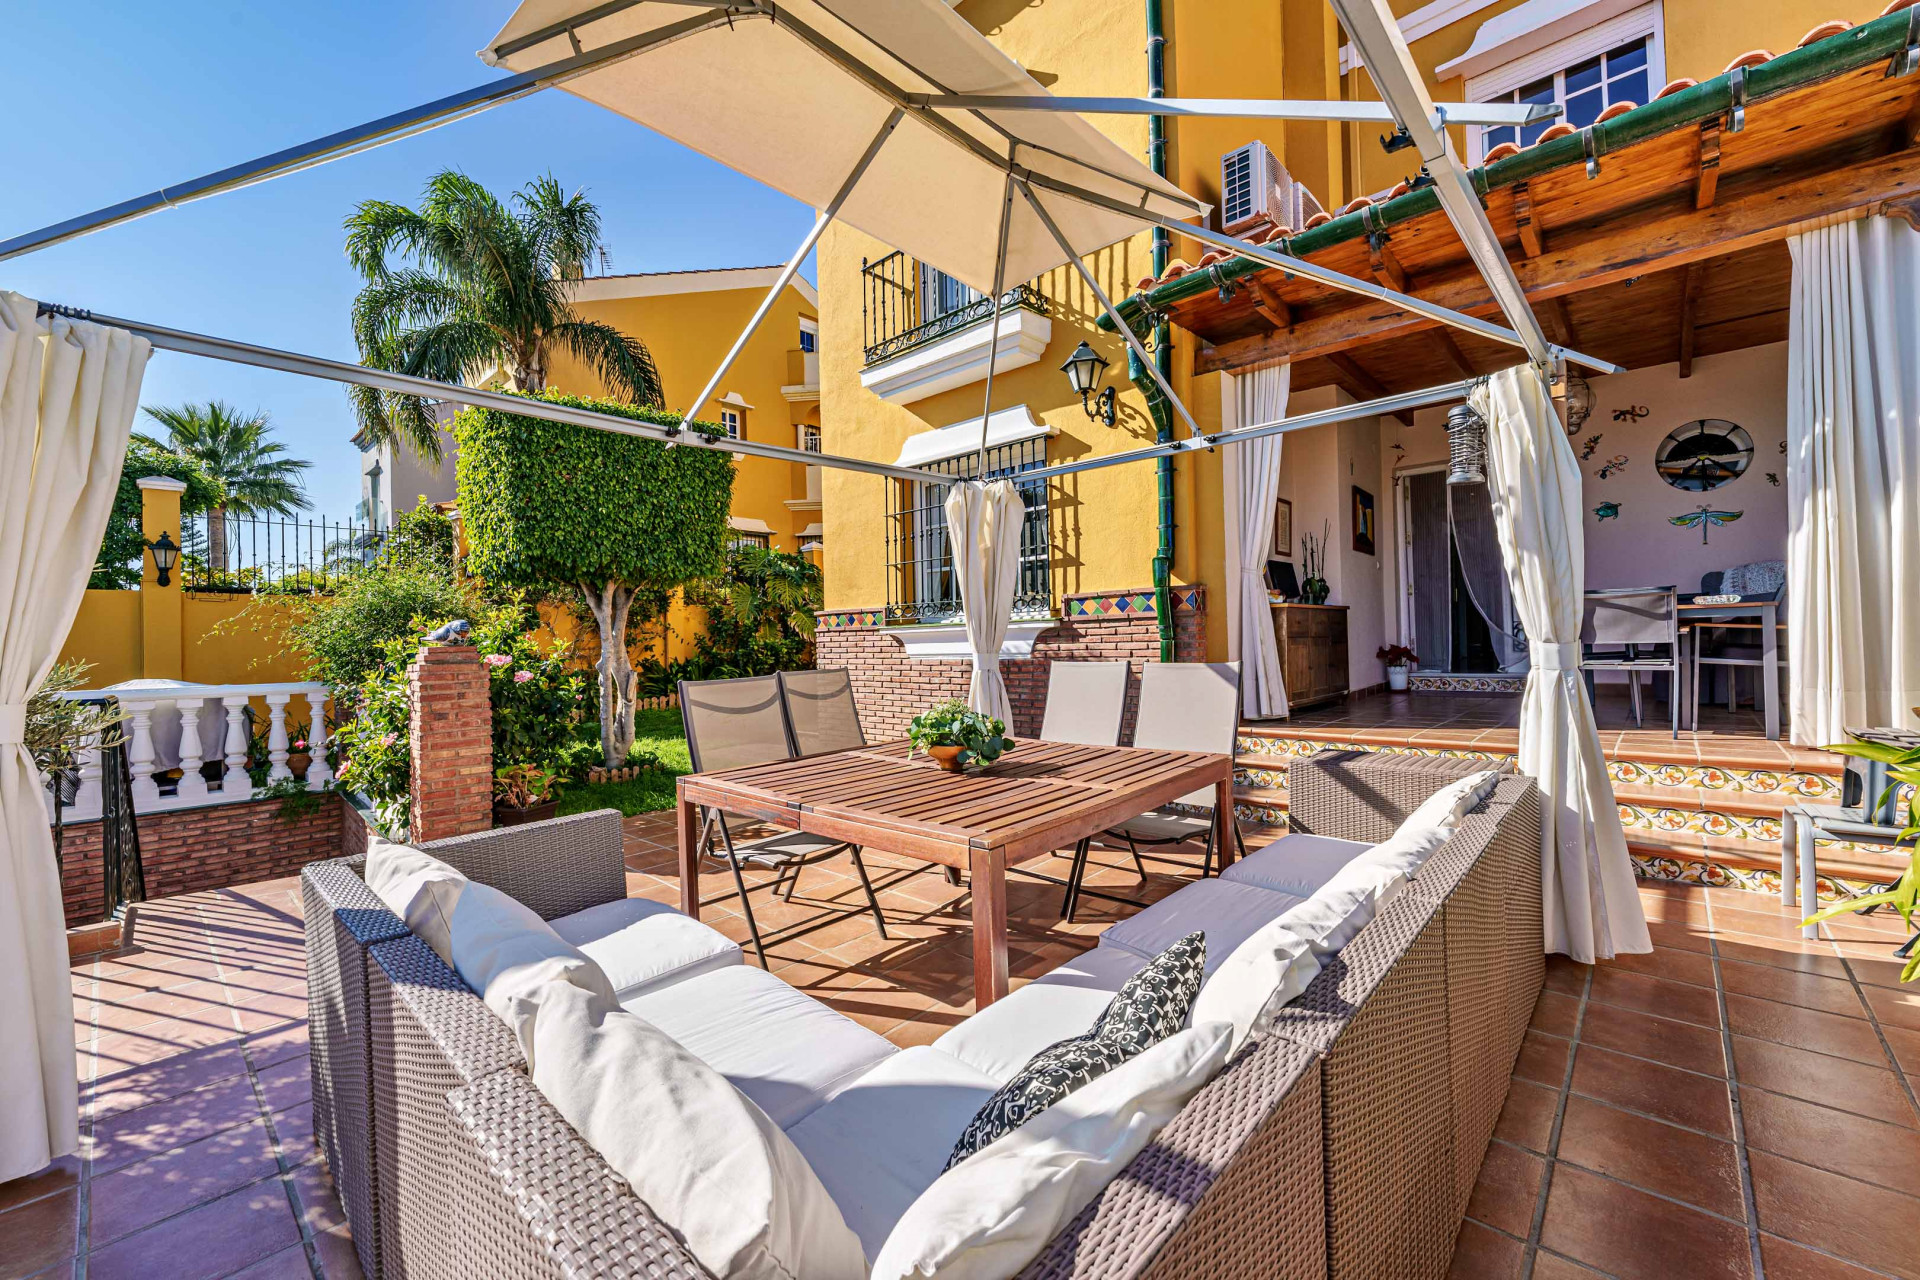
x: 343, y: 769
x: 300, y: 745
x: 499, y: 660
x: 386, y: 740
x: 521, y: 677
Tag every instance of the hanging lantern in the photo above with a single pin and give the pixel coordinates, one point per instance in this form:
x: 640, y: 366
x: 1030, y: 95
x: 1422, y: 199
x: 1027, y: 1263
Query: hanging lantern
x: 1466, y: 446
x: 1579, y: 400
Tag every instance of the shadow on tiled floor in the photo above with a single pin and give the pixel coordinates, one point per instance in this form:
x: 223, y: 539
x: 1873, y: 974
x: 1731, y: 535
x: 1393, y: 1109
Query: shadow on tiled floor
x: 1737, y: 1100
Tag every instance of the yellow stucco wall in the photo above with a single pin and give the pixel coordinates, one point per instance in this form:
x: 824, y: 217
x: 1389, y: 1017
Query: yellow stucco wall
x: 214, y: 649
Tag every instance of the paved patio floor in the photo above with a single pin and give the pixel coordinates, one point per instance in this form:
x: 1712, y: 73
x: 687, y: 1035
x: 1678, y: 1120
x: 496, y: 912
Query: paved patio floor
x: 1736, y: 1104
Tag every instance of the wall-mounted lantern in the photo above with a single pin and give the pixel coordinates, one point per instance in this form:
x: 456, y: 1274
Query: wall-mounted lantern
x: 1083, y: 369
x: 1466, y: 446
x: 165, y: 556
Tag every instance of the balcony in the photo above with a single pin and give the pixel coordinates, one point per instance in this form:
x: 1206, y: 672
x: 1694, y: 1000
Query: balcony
x: 924, y: 332
x: 803, y: 377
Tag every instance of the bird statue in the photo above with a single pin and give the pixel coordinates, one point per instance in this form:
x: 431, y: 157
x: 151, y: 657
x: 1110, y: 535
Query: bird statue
x: 455, y: 632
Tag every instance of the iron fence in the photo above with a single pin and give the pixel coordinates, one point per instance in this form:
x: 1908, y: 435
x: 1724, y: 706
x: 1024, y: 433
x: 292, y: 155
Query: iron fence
x: 921, y: 586
x: 245, y: 553
x: 904, y: 304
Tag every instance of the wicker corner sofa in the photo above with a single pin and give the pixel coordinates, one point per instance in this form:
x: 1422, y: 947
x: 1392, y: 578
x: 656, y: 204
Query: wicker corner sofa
x: 1343, y: 1143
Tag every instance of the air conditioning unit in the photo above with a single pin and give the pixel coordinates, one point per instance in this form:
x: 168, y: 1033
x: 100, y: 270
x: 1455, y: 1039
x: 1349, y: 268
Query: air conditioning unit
x: 1255, y: 187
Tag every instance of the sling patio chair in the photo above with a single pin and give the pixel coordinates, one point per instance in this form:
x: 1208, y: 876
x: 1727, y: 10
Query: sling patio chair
x: 732, y: 724
x: 1085, y: 703
x: 1184, y: 706
x: 1634, y: 629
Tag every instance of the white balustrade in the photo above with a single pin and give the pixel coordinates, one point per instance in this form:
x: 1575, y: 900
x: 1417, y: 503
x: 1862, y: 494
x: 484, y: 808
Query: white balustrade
x: 173, y: 725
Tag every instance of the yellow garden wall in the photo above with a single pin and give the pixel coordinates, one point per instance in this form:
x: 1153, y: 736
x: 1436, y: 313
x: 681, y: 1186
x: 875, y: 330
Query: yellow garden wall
x: 107, y: 634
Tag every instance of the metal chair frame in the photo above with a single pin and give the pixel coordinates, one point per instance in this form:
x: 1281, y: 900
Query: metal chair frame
x: 1629, y: 658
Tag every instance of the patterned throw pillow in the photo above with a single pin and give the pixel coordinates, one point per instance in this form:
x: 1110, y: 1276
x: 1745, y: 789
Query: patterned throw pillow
x: 1152, y: 1005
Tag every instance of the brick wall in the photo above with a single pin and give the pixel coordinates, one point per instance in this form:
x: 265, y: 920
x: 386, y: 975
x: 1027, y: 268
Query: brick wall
x: 451, y: 739
x: 892, y: 688
x: 211, y: 847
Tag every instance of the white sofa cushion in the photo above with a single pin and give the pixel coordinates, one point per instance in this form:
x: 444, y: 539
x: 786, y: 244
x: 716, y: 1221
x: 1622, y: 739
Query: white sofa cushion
x: 1000, y: 1039
x: 1445, y: 807
x: 417, y: 887
x: 1297, y: 863
x: 512, y: 957
x: 642, y: 944
x: 705, y: 1159
x: 1228, y: 913
x: 884, y: 1139
x: 991, y: 1215
x: 780, y: 1047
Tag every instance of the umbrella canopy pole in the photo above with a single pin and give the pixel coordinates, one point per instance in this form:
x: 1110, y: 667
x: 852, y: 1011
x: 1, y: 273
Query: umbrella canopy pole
x: 787, y: 272
x: 993, y: 332
x: 1133, y: 339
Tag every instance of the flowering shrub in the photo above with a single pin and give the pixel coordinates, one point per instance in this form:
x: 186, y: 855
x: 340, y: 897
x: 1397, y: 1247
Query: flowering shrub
x: 379, y: 762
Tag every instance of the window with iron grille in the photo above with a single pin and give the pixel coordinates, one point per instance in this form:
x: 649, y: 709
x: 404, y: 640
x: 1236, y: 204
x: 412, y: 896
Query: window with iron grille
x: 749, y: 538
x: 921, y: 586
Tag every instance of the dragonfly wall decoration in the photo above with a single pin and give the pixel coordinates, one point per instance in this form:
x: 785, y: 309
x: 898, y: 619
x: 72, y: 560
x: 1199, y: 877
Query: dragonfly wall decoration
x: 1704, y: 518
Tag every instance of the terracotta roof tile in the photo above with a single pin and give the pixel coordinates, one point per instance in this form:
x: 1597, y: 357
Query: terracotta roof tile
x: 1318, y: 220
x: 1560, y: 130
x: 1750, y: 59
x: 1502, y: 151
x: 1897, y: 6
x: 1617, y: 109
x: 1675, y: 86
x: 1355, y: 205
x: 1824, y: 30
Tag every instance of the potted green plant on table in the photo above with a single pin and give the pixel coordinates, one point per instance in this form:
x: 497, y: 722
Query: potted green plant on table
x: 1399, y: 660
x: 524, y: 793
x: 1903, y: 769
x: 1315, y: 588
x: 956, y: 736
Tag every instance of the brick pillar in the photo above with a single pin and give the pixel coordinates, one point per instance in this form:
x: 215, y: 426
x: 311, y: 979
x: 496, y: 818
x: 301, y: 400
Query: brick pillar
x: 452, y: 743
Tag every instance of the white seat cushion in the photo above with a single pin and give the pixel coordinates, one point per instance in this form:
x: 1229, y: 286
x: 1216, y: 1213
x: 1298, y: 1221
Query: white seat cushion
x: 1445, y: 807
x: 999, y: 1039
x: 780, y: 1047
x: 1228, y: 913
x: 1297, y: 863
x: 417, y: 887
x: 642, y: 944
x: 886, y: 1137
x: 514, y: 959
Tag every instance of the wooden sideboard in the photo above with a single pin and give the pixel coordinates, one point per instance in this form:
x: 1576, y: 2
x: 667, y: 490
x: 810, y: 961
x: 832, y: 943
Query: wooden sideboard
x: 1313, y: 651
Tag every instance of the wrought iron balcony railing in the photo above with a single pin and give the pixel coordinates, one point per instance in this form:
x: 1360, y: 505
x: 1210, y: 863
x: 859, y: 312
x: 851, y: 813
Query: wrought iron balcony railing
x: 906, y: 304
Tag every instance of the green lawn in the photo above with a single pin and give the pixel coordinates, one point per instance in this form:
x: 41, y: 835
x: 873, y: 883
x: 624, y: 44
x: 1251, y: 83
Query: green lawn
x: 657, y: 731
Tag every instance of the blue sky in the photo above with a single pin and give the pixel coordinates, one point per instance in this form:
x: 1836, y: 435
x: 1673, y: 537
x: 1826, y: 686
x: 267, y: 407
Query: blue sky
x: 123, y: 96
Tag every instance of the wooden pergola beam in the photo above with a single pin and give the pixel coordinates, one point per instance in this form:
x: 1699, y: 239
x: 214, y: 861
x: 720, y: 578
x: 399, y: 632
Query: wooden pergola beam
x: 1386, y: 266
x: 1614, y: 251
x: 1271, y: 306
x: 1360, y: 384
x: 1706, y: 181
x: 1532, y: 234
x: 1454, y: 355
x: 1693, y: 275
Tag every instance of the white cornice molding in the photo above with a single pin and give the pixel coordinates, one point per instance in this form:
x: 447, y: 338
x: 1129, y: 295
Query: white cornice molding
x: 659, y: 284
x: 959, y: 358
x: 1424, y: 21
x: 946, y: 641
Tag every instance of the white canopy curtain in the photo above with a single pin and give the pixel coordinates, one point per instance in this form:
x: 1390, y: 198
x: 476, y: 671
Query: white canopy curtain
x: 983, y: 530
x: 1591, y: 906
x: 1853, y: 479
x: 68, y: 392
x: 1259, y: 396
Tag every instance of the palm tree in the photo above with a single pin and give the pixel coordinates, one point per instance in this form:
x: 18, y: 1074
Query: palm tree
x: 478, y: 286
x: 234, y: 448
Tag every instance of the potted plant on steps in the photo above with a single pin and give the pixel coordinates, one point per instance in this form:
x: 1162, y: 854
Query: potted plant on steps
x: 524, y: 793
x: 1399, y: 660
x: 956, y: 736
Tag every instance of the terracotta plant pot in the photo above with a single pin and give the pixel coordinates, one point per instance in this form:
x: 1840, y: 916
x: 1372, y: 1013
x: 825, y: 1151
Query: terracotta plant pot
x: 506, y: 815
x: 947, y: 758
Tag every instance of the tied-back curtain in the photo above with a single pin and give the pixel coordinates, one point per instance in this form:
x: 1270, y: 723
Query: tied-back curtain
x: 984, y: 523
x: 1262, y: 397
x: 1591, y: 905
x: 68, y: 392
x: 1853, y: 479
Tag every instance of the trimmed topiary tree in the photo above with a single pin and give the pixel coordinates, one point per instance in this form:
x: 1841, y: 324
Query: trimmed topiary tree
x: 546, y: 505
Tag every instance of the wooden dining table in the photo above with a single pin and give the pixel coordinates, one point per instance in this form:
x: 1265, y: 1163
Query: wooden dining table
x: 1038, y: 798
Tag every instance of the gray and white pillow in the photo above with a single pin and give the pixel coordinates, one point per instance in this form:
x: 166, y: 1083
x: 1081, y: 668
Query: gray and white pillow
x: 1152, y: 1005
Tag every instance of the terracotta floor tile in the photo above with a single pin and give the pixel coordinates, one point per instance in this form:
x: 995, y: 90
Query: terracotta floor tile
x: 1549, y: 1266
x: 157, y: 1129
x: 219, y: 1237
x: 1873, y: 1151
x: 1508, y: 1186
x: 1527, y: 1118
x: 1677, y: 1044
x: 1765, y: 924
x: 1790, y: 986
x: 1681, y: 937
x: 1566, y: 976
x: 1818, y: 1077
x: 1895, y: 1007
x: 1784, y: 953
x: 61, y: 1175
x: 1677, y: 1000
x: 1786, y: 1260
x: 1556, y: 1013
x: 1832, y: 1213
x: 1481, y: 1253
x: 1666, y: 1093
x: 1695, y: 967
x: 1832, y: 1033
x: 1677, y: 1163
x: 140, y: 1194
x: 1906, y: 1048
x: 294, y: 1128
x: 1638, y: 1236
x: 1543, y: 1059
x: 1874, y: 966
x: 36, y: 1235
x: 288, y: 1264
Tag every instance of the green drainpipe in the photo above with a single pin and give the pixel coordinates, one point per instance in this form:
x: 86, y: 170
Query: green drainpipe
x: 1162, y: 342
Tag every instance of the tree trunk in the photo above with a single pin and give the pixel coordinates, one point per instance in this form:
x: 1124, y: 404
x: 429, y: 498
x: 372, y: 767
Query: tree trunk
x: 217, y: 539
x: 609, y: 604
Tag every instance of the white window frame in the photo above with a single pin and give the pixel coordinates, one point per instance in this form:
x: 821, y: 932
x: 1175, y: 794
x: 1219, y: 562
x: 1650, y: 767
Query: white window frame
x: 1647, y: 20
x: 734, y: 420
x: 809, y: 329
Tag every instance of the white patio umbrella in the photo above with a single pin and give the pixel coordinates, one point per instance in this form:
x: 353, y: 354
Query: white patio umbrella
x: 68, y: 392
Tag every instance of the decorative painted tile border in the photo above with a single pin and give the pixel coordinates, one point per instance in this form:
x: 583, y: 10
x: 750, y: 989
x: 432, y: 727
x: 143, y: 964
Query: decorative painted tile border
x: 1806, y: 786
x: 1252, y: 745
x: 1440, y: 682
x: 1660, y: 818
x: 1717, y: 876
x: 1259, y: 778
x: 837, y: 619
x: 1261, y: 815
x: 1127, y: 604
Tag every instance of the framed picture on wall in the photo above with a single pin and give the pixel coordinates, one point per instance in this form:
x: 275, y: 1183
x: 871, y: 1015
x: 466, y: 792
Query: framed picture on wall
x: 1362, y: 521
x: 1282, y: 530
